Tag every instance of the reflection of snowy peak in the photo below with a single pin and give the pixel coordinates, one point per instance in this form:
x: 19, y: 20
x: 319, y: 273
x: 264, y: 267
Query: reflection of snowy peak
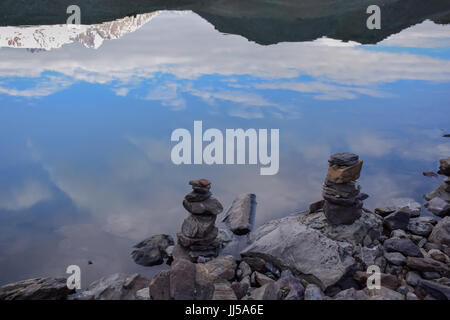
x: 55, y: 36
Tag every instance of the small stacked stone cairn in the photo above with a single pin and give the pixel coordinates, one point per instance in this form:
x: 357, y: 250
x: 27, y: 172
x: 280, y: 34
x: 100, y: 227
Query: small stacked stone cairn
x: 341, y: 192
x: 198, y: 233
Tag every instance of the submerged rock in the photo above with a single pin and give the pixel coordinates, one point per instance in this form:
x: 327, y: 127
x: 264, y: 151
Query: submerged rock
x: 36, y: 289
x: 114, y: 287
x: 438, y: 206
x: 239, y: 218
x: 152, y: 251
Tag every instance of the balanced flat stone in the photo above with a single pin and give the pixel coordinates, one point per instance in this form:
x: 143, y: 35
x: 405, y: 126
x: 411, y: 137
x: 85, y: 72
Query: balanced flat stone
x: 338, y: 174
x: 343, y: 159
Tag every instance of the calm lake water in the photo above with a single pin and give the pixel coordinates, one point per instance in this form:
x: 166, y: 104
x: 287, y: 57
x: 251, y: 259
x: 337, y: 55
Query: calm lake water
x: 85, y: 168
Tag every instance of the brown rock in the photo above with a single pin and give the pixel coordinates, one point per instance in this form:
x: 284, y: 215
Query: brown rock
x: 427, y: 264
x: 160, y: 286
x: 387, y: 280
x: 344, y: 174
x: 316, y: 206
x: 223, y: 291
x: 220, y: 268
x: 182, y: 280
x: 444, y: 167
x: 441, y: 232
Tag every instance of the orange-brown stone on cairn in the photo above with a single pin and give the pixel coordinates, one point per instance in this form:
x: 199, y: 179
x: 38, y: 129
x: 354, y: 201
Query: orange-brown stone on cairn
x: 338, y: 174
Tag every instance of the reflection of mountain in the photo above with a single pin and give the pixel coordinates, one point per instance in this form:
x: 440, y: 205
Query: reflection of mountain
x: 262, y: 21
x: 48, y: 37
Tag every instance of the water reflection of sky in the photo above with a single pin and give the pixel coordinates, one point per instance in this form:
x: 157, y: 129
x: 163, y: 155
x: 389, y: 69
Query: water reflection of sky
x: 85, y: 168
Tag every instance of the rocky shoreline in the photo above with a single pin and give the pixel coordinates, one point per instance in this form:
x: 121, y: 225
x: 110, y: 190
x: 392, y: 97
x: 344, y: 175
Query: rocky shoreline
x: 324, y: 253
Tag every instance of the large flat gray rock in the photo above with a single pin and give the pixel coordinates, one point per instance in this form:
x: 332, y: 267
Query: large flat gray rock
x: 288, y: 243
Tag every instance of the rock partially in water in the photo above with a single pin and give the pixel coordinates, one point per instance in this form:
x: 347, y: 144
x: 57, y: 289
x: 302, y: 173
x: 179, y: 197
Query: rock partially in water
x: 240, y: 216
x: 444, y: 166
x: 36, y: 289
x: 409, y: 205
x: 430, y: 174
x: 288, y: 244
x: 397, y: 220
x: 152, y: 251
x: 114, y: 287
x: 441, y: 232
x: 438, y: 206
x: 421, y: 226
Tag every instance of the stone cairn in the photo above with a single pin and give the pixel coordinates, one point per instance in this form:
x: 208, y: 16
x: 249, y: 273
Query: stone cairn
x: 341, y: 193
x: 198, y: 233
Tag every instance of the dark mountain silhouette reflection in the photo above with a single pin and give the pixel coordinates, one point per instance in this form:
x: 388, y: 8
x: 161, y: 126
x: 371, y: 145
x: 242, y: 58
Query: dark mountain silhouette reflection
x: 262, y: 21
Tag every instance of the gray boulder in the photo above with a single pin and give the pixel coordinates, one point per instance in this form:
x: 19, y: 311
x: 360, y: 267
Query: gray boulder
x: 152, y: 251
x: 114, y: 287
x: 438, y: 206
x: 397, y: 220
x: 421, y: 226
x: 240, y: 217
x: 289, y: 244
x: 36, y: 289
x: 395, y: 258
x: 441, y: 232
x: 369, y: 224
x: 402, y: 245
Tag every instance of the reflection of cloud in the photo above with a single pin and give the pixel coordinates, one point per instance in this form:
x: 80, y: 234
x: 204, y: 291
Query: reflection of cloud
x: 370, y: 144
x: 323, y: 91
x: 424, y: 35
x: 191, y: 48
x: 47, y: 86
x: 24, y: 196
x: 121, y: 92
x: 168, y: 94
x: 241, y: 97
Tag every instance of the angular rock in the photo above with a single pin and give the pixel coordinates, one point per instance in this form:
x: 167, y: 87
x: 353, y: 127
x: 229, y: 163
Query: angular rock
x: 267, y: 292
x: 430, y: 275
x: 313, y: 292
x: 152, y: 251
x: 220, y: 268
x: 441, y: 232
x: 344, y: 190
x: 338, y: 174
x: 182, y: 280
x: 427, y: 264
x: 240, y: 216
x: 206, y: 241
x: 262, y: 279
x: 36, y: 289
x: 198, y: 226
x: 115, y: 287
x: 205, y: 183
x: 436, y: 290
x: 290, y: 288
x: 405, y: 204
x: 397, y: 220
x: 438, y: 206
x: 240, y: 289
x: 160, y: 286
x: 209, y: 206
x: 395, y: 258
x: 223, y: 291
x: 338, y: 214
x: 256, y: 263
x: 368, y: 256
x: 412, y: 278
x: 385, y: 211
x: 143, y: 294
x: 245, y: 270
x: 368, y: 224
x: 440, y: 192
x: 420, y: 226
x: 288, y: 244
x: 402, y: 245
x: 439, y: 256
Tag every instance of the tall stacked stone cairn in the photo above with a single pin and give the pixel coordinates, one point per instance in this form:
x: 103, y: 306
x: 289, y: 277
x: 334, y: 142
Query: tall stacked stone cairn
x: 343, y: 200
x: 199, y: 233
